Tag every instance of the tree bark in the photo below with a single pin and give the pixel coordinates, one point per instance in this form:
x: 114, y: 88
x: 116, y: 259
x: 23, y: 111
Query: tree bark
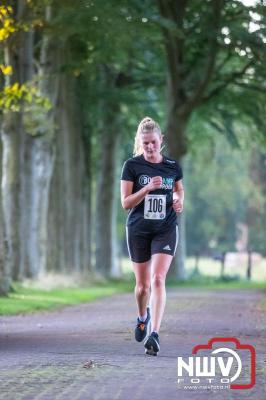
x: 86, y: 145
x: 10, y: 136
x: 10, y: 191
x: 249, y: 266
x: 107, y: 263
x: 177, y: 147
x: 105, y: 213
x: 69, y: 212
x: 5, y: 277
x: 41, y: 155
x: 26, y: 71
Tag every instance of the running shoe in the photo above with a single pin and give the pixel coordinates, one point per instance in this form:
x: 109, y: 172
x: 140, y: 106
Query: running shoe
x: 141, y: 329
x: 151, y: 345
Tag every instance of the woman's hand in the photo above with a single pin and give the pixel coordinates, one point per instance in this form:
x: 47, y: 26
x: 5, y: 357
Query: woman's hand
x: 178, y: 205
x: 129, y: 199
x: 155, y: 183
x: 178, y: 196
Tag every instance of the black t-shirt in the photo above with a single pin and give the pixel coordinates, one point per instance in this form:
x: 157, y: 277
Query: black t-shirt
x: 155, y: 213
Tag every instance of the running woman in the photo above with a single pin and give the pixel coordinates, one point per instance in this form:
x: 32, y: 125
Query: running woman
x: 152, y: 191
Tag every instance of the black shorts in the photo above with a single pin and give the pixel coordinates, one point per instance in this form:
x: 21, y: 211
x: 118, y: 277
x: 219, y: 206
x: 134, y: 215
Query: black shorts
x: 142, y: 246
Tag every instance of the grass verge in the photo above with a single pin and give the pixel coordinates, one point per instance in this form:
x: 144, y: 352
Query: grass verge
x: 211, y: 283
x: 25, y: 300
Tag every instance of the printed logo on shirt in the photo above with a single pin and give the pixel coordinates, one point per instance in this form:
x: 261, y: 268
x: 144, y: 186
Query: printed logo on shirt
x: 144, y: 180
x: 167, y: 183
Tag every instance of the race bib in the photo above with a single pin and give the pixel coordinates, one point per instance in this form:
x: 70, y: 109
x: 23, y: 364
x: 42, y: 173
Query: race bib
x: 155, y: 206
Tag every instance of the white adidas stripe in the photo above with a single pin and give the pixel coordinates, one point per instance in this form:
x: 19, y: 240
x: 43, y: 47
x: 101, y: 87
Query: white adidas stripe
x: 176, y: 238
x: 127, y: 234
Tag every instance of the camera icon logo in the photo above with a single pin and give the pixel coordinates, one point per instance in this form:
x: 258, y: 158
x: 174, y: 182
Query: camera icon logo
x: 222, y: 362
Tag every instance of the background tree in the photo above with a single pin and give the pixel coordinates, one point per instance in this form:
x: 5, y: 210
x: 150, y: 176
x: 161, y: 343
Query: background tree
x: 221, y: 193
x: 74, y: 87
x: 212, y: 49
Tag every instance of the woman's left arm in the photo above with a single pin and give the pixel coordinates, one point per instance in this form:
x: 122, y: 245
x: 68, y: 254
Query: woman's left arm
x: 178, y: 196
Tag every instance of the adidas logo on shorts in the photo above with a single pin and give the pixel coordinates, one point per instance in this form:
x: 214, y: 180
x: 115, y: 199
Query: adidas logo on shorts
x: 167, y: 247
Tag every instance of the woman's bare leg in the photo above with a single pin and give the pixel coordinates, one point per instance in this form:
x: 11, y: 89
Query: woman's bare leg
x: 160, y: 264
x: 143, y: 283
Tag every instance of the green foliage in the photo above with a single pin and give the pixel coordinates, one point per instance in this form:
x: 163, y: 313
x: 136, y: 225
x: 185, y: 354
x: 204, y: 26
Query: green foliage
x: 216, y: 56
x: 220, y: 190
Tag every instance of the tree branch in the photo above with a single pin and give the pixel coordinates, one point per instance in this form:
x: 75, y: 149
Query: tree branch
x: 196, y: 97
x: 230, y: 79
x: 173, y: 12
x: 251, y: 87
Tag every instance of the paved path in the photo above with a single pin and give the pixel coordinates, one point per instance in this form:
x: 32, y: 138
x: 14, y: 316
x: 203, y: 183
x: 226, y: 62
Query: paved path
x: 43, y: 355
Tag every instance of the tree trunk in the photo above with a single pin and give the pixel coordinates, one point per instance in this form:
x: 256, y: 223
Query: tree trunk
x: 182, y: 101
x: 10, y: 136
x: 107, y: 263
x: 249, y: 266
x: 86, y: 146
x: 180, y: 258
x: 176, y: 145
x: 176, y: 121
x: 223, y: 258
x: 106, y: 257
x: 69, y: 212
x: 10, y: 191
x: 41, y: 156
x: 87, y: 205
x: 42, y: 163
x: 5, y: 277
x: 26, y: 71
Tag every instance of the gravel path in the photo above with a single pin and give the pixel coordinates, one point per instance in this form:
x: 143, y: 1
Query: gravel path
x: 42, y: 356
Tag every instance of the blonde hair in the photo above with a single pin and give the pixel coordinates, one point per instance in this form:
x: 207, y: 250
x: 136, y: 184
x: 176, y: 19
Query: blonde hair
x: 146, y: 125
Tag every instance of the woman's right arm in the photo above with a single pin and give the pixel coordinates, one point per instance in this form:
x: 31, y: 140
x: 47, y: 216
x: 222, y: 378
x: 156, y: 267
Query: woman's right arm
x: 129, y: 199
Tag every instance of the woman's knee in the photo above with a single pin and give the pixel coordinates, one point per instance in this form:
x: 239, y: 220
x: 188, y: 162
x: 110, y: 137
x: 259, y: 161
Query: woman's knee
x: 158, y: 280
x: 143, y: 289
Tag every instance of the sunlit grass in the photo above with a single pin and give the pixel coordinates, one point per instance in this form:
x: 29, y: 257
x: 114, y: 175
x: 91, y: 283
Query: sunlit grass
x: 27, y: 300
x: 52, y: 292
